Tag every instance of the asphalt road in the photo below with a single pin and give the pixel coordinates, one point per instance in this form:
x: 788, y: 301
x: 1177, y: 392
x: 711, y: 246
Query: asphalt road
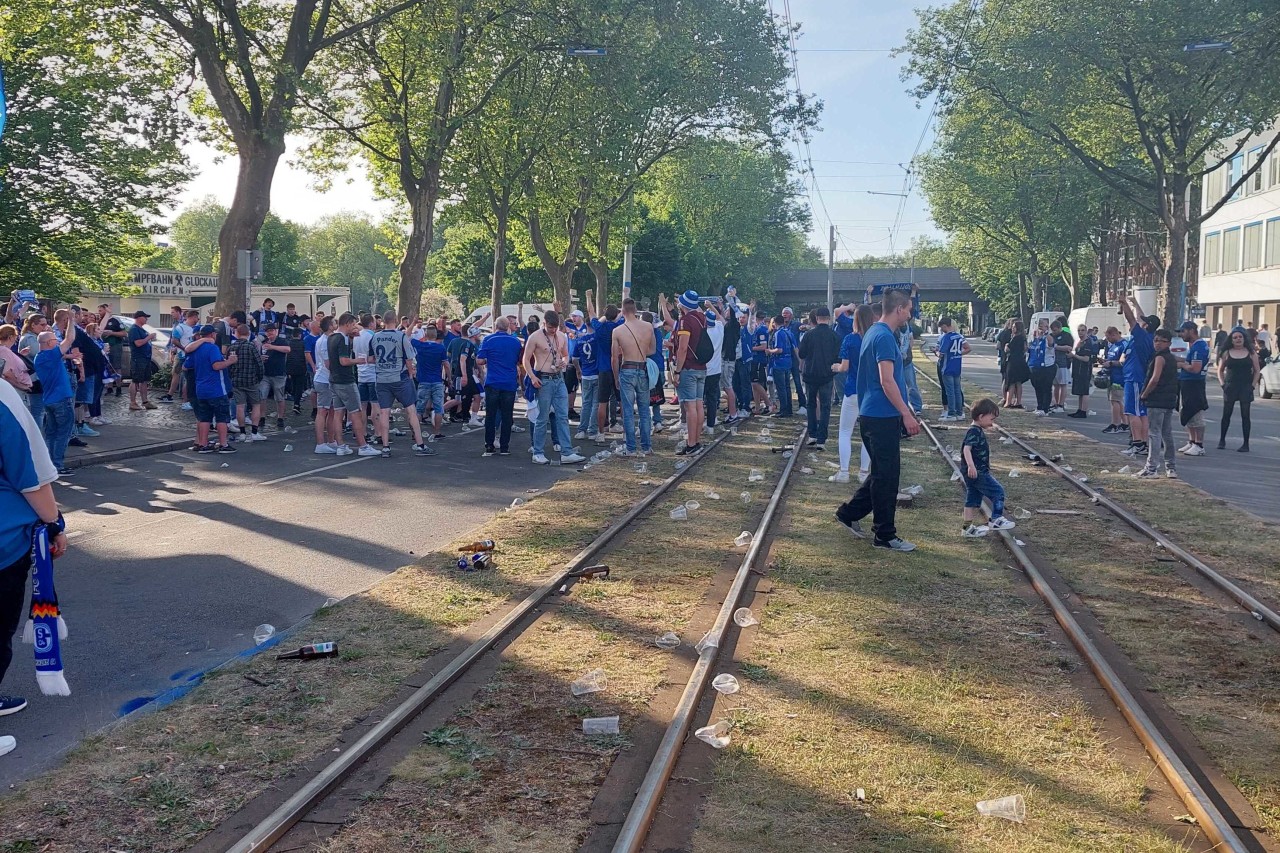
x: 1247, y: 480
x: 175, y: 559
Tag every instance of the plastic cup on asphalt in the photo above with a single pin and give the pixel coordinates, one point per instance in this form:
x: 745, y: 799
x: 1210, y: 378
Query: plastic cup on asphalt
x: 669, y: 640
x: 1006, y: 808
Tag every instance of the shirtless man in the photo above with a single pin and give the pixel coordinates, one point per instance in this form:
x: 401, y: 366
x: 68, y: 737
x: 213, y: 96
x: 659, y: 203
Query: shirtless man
x: 546, y: 356
x: 633, y: 343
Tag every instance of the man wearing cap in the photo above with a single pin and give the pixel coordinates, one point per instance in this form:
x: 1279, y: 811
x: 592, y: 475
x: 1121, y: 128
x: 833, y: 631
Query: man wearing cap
x: 690, y: 373
x: 572, y: 329
x: 1194, y: 400
x: 264, y: 315
x: 1137, y: 358
x: 212, y: 390
x: 793, y: 326
x: 141, y: 367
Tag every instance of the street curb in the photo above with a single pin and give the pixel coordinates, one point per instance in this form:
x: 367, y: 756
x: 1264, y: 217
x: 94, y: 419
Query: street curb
x: 107, y: 456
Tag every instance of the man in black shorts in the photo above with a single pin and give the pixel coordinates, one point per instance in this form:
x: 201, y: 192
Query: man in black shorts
x: 606, y: 389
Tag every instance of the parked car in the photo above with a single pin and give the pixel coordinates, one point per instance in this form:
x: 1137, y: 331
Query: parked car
x: 159, y: 347
x: 1270, y: 385
x: 990, y: 332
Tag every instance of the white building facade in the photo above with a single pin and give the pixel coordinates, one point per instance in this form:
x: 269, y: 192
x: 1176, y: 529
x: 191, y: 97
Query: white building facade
x: 1240, y: 244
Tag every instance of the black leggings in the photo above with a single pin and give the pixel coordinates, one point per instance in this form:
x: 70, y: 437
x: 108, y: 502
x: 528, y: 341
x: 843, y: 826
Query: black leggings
x: 1042, y: 381
x: 1229, y: 400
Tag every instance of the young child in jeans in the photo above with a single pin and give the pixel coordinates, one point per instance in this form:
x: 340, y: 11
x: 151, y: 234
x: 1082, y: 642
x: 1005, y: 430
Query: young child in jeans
x: 975, y: 466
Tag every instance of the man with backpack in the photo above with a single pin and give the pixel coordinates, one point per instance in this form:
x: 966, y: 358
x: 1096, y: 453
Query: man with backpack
x: 693, y: 351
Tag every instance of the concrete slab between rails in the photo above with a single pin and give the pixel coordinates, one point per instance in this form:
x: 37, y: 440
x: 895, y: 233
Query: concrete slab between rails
x: 336, y: 808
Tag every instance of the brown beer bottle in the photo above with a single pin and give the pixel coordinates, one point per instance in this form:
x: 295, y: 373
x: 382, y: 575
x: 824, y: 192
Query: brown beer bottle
x: 479, y: 545
x: 315, y: 650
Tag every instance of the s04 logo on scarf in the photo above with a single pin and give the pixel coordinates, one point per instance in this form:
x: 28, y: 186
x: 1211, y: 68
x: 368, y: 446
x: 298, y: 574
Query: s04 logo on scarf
x: 44, y: 639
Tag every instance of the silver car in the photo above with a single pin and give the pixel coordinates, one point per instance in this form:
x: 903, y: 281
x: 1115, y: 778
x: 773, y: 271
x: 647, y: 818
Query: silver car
x: 1270, y: 385
x: 159, y: 347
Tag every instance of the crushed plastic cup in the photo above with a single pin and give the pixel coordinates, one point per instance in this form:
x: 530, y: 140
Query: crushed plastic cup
x: 955, y: 475
x: 679, y: 513
x: 1082, y: 478
x: 330, y: 602
x: 831, y: 464
x: 1022, y: 514
x: 1006, y: 440
x: 593, y: 682
x: 1125, y: 470
x: 744, y: 618
x: 951, y: 451
x: 288, y: 448
x: 681, y: 465
x: 713, y: 496
x: 708, y: 641
x: 786, y: 454
x: 764, y: 433
x: 225, y: 465
x: 517, y: 503
x: 692, y: 505
x: 1067, y: 468
x: 716, y: 735
x: 1014, y: 472
x: 669, y: 640
x: 263, y: 633
x: 755, y: 476
x: 726, y: 684
x: 642, y: 467
x: 743, y: 538
x: 600, y: 726
x: 914, y: 491
x: 806, y: 470
x: 745, y: 497
x: 1012, y: 808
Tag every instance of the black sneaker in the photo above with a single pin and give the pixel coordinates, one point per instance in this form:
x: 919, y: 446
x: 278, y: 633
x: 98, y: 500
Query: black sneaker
x: 207, y: 448
x: 64, y: 471
x: 262, y: 422
x: 1123, y: 428
x: 895, y: 544
x: 424, y: 450
x: 1111, y: 429
x: 11, y: 705
x: 692, y: 450
x: 853, y: 527
x: 77, y: 442
x: 279, y: 423
x: 164, y: 398
x: 440, y: 437
x: 226, y: 448
x: 386, y: 453
x: 297, y: 410
x: 489, y: 450
x: 504, y: 452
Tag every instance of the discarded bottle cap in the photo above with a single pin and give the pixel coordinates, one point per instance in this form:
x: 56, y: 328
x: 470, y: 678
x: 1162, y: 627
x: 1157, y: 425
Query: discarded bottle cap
x: 263, y: 633
x: 679, y: 513
x: 708, y: 641
x: 744, y: 618
x: 669, y: 640
x: 743, y: 538
x: 717, y: 734
x: 726, y: 684
x: 692, y: 505
x: 600, y: 726
x: 593, y: 682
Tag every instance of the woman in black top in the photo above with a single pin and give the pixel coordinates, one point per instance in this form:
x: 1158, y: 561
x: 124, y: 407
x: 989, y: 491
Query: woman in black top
x: 1082, y: 372
x: 1016, y: 372
x: 1238, y: 373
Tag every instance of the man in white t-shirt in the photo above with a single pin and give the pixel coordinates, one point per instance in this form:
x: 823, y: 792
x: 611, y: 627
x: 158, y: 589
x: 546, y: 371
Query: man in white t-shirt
x: 324, y: 394
x: 715, y: 367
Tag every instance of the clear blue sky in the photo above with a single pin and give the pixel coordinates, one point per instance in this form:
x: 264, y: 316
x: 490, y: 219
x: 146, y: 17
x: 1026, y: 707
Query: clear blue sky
x: 868, y: 118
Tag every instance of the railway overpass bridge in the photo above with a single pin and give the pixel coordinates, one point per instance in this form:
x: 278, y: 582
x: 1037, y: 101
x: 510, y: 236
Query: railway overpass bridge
x: 804, y: 289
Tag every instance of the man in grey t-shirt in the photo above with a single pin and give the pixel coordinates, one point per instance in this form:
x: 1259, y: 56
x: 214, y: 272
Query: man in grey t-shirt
x: 394, y: 364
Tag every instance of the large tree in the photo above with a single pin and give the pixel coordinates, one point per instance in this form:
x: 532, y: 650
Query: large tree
x: 90, y: 150
x: 194, y: 234
x: 254, y: 56
x: 1076, y: 72
x: 349, y: 250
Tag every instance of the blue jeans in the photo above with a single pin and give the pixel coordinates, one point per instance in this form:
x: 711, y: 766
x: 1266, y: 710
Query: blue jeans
x: 35, y: 403
x: 955, y: 395
x: 818, y: 407
x: 797, y: 382
x: 914, y: 400
x: 634, y: 385
x: 742, y: 384
x: 589, y: 385
x: 782, y: 386
x: 552, y: 396
x: 58, y: 421
x: 984, y: 487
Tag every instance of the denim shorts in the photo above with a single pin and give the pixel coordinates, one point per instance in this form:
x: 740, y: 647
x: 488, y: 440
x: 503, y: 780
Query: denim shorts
x: 218, y: 409
x: 431, y: 396
x: 692, y: 387
x: 368, y: 392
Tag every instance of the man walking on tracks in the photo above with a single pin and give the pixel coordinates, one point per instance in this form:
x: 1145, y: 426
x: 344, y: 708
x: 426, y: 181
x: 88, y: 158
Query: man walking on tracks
x: 883, y: 416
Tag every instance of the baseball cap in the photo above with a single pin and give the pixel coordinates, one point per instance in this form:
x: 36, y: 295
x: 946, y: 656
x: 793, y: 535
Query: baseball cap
x: 575, y: 313
x: 137, y: 314
x: 1188, y: 326
x: 206, y: 329
x: 689, y: 299
x: 1152, y: 322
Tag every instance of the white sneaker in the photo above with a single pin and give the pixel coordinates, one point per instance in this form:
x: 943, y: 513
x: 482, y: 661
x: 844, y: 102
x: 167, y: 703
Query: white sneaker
x: 343, y: 450
x: 839, y: 477
x: 539, y: 459
x: 572, y: 458
x: 8, y: 743
x: 368, y: 450
x: 1195, y: 450
x: 475, y: 421
x: 975, y: 531
x: 1001, y: 523
x: 99, y: 421
x: 802, y: 412
x: 257, y: 436
x: 1040, y: 413
x: 659, y: 427
x: 1184, y: 448
x: 579, y: 434
x: 863, y: 475
x: 326, y: 448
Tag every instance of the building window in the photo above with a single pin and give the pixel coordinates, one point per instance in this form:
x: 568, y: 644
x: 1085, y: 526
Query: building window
x: 1231, y: 250
x: 1254, y: 184
x: 1213, y: 253
x: 1253, y: 246
x: 1233, y: 175
x: 1215, y: 186
x: 1274, y: 168
x: 1273, y: 242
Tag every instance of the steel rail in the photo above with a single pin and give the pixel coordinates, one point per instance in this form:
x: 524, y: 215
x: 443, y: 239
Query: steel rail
x: 1210, y: 820
x: 1258, y: 609
x: 649, y: 796
x: 273, y: 827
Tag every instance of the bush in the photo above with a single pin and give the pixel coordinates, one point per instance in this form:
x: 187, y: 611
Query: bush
x: 160, y: 379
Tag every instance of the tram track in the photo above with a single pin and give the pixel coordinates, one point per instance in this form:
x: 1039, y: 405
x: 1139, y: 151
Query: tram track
x: 268, y: 832
x: 1207, y: 793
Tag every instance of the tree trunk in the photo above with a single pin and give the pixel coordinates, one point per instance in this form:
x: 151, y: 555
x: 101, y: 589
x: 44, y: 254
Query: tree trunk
x: 1023, y: 314
x: 1175, y: 271
x: 600, y: 264
x: 413, y: 267
x: 499, y: 259
x: 1073, y: 282
x: 244, y: 220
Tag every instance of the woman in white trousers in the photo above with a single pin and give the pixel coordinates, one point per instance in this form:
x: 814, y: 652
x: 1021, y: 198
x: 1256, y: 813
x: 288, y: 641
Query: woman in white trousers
x: 850, y: 348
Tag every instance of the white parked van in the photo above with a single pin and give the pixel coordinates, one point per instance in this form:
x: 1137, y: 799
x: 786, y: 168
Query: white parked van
x: 1046, y: 315
x: 1101, y: 316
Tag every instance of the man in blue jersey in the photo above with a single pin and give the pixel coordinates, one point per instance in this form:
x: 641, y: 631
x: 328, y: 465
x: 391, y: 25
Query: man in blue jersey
x: 1137, y: 358
x: 212, y: 391
x: 793, y: 326
x: 500, y: 354
x: 433, y: 371
x: 1193, y: 399
x: 582, y: 352
x: 760, y: 361
x: 606, y: 390
x: 883, y: 417
x: 1112, y: 362
x: 952, y: 348
x: 393, y: 357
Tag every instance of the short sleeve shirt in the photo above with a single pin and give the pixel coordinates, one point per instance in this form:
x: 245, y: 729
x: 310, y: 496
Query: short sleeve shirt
x: 1141, y: 350
x: 694, y: 325
x: 1198, y: 351
x: 211, y: 383
x: 362, y: 346
x: 951, y: 348
x: 880, y: 344
x: 850, y: 347
x: 430, y: 360
x: 502, y: 352
x: 339, y: 348
x: 137, y: 333
x: 392, y: 352
x: 24, y: 467
x: 976, y: 440
x: 320, y: 355
x: 52, y: 370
